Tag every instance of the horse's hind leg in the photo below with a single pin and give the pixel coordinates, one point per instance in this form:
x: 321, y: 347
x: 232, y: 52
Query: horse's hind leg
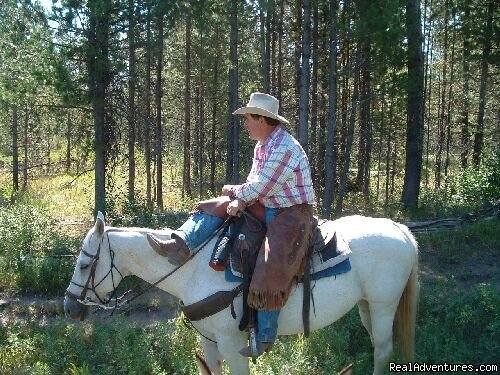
x: 364, y: 314
x: 212, y: 356
x: 382, y: 318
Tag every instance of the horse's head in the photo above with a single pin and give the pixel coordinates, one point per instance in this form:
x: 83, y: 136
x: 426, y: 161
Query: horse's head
x: 95, y: 273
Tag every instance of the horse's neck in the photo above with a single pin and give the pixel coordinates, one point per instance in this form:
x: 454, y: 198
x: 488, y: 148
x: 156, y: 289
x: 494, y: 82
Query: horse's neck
x: 134, y: 256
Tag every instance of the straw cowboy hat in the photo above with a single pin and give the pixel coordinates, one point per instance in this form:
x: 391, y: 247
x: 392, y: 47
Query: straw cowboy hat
x: 262, y: 104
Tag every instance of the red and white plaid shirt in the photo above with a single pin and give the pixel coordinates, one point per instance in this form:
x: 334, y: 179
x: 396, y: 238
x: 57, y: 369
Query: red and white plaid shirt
x: 280, y: 175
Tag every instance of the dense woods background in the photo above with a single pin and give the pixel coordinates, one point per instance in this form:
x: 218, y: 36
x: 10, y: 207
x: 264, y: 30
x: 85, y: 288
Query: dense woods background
x: 392, y: 99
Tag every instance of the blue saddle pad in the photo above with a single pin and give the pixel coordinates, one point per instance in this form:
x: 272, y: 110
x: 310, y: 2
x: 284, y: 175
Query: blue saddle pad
x: 338, y: 269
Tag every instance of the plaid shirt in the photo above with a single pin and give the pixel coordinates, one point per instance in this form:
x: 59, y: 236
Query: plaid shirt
x: 280, y: 175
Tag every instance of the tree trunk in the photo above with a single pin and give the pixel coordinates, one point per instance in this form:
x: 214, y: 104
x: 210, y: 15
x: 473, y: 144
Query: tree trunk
x: 442, y: 104
x: 15, y: 150
x: 158, y: 96
x: 305, y: 78
x: 213, y: 129
x: 265, y: 39
x: 69, y: 130
x: 280, y: 62
x: 389, y: 149
x: 298, y: 70
x: 364, y: 143
x: 314, y: 90
x: 344, y: 176
x: 479, y: 133
x: 148, y: 120
x: 25, y: 148
x: 427, y: 89
x: 415, y: 105
x: 201, y: 115
x: 131, y: 101
x: 330, y: 163
x: 99, y: 76
x: 450, y: 97
x: 186, y: 169
x: 465, y: 103
x: 233, y: 134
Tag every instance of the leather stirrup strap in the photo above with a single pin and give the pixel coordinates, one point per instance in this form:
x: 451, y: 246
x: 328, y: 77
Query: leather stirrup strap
x: 306, y: 304
x: 245, y: 319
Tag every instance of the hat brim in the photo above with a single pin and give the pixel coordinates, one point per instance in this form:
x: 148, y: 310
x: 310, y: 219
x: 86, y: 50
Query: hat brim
x: 261, y: 112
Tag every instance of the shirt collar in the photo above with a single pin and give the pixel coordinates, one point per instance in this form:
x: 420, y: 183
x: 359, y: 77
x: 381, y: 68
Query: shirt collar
x: 271, y: 137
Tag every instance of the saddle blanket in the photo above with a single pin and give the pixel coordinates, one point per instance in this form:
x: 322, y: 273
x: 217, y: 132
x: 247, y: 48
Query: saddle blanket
x: 330, y: 254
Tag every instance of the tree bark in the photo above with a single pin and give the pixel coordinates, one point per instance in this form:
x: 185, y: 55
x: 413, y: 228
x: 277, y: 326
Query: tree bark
x: 15, y: 150
x: 233, y: 161
x: 305, y: 78
x: 158, y: 96
x: 344, y: 176
x: 364, y: 142
x: 280, y: 62
x: 131, y: 101
x: 313, y: 150
x: 330, y: 162
x: 213, y: 129
x: 479, y: 131
x: 99, y: 76
x: 465, y: 103
x: 69, y: 130
x: 25, y: 148
x: 186, y: 170
x: 265, y: 41
x: 441, y: 136
x: 450, y: 97
x: 415, y: 105
x: 148, y: 120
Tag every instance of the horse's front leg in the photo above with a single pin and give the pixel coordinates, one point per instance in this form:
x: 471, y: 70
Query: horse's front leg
x: 229, y: 346
x: 213, y: 358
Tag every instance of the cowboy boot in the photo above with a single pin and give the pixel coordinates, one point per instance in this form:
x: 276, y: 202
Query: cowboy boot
x: 175, y: 249
x: 267, y: 332
x: 262, y: 347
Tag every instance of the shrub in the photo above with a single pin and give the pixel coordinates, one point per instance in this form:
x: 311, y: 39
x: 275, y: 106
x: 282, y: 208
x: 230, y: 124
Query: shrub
x: 33, y: 256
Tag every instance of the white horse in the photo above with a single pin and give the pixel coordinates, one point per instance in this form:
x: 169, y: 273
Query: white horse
x: 382, y: 282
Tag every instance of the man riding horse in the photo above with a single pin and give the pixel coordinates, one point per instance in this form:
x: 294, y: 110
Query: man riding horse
x: 280, y: 181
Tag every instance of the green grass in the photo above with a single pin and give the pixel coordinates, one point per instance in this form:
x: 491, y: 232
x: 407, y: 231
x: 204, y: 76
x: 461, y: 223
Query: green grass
x: 455, y: 326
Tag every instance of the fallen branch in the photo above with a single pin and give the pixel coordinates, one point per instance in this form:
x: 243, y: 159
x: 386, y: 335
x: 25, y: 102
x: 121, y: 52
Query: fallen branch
x: 443, y: 224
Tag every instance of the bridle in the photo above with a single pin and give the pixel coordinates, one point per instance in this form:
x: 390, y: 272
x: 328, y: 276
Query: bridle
x: 91, y: 283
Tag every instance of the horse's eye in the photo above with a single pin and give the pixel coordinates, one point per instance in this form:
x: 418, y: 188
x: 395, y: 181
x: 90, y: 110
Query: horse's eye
x: 84, y: 266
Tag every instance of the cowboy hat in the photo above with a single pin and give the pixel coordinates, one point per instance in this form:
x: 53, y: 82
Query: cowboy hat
x: 262, y: 104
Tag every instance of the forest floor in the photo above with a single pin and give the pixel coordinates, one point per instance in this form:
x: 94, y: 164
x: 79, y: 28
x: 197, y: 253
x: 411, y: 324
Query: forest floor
x: 466, y: 271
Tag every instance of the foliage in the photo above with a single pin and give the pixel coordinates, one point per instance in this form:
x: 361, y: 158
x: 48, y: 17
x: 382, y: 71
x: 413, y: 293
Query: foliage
x: 468, y: 190
x: 96, y: 348
x: 455, y: 324
x: 33, y: 256
x: 458, y: 325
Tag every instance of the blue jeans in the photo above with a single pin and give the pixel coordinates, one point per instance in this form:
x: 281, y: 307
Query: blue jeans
x: 267, y: 321
x: 198, y: 228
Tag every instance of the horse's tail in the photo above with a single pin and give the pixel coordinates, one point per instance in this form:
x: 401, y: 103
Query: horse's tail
x: 406, y: 314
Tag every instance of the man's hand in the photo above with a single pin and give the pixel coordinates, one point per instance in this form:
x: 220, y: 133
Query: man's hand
x: 226, y: 189
x: 235, y: 207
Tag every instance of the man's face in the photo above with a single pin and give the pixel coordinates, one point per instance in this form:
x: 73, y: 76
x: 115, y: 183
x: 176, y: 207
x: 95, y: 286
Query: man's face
x: 254, y: 127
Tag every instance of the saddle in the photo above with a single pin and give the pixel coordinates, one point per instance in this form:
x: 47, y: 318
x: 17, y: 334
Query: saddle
x: 327, y: 250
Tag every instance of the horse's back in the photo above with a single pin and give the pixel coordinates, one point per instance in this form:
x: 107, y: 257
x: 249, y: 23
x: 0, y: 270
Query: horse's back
x: 383, y: 253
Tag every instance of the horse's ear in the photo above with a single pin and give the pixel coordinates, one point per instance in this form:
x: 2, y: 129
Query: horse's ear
x: 99, y: 223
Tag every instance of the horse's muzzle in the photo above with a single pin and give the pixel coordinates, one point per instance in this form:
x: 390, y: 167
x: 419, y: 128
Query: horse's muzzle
x: 74, y: 309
